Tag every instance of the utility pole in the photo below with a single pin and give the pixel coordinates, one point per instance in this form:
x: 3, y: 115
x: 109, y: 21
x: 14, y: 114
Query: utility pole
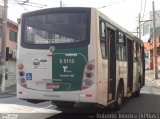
x: 60, y: 3
x: 155, y: 46
x: 139, y: 21
x: 3, y: 46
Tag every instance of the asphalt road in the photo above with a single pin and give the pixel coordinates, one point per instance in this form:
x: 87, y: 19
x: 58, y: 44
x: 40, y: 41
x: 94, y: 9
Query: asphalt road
x: 149, y: 101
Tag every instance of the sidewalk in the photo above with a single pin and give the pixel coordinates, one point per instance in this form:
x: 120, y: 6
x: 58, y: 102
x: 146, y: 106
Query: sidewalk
x: 10, y: 83
x: 9, y: 92
x: 149, y: 75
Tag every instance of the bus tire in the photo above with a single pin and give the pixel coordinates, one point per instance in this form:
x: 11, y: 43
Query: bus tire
x: 137, y: 93
x: 61, y: 104
x: 120, y: 96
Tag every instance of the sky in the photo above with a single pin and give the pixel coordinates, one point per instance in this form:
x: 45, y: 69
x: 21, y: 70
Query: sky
x: 123, y: 12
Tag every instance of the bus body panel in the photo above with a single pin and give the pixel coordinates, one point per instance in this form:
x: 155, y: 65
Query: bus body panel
x: 122, y: 74
x: 89, y: 94
x: 102, y: 82
x: 102, y: 73
x: 39, y: 63
x: 135, y: 77
x: 137, y: 69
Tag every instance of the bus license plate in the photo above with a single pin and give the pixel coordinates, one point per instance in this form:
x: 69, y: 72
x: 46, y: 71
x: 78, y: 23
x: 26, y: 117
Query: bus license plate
x: 53, y: 86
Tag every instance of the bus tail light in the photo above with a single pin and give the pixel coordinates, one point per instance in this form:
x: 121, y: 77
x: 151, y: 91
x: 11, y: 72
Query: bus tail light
x: 22, y: 80
x: 20, y: 92
x: 88, y: 82
x: 88, y: 76
x: 90, y: 67
x: 24, y: 85
x: 20, y: 66
x: 88, y: 95
x: 84, y: 87
x: 21, y: 73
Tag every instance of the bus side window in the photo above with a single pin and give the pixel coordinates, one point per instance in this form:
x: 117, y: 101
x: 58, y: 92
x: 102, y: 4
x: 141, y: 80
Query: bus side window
x: 137, y: 55
x: 103, y: 43
x: 121, y: 46
x: 135, y: 50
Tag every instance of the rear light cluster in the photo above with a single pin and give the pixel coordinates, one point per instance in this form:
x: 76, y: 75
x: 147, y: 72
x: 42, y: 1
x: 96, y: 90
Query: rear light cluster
x: 88, y: 76
x: 21, y: 80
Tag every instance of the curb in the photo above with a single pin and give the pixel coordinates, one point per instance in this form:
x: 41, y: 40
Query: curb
x: 7, y: 94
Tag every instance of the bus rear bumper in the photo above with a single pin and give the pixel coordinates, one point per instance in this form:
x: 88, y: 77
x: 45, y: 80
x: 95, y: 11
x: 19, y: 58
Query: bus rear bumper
x: 24, y: 93
x: 88, y: 95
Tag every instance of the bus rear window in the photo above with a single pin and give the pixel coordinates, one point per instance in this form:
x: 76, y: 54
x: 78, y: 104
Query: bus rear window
x: 56, y: 28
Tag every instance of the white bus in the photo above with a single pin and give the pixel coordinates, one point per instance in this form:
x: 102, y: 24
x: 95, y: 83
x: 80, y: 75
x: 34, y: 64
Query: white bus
x: 77, y: 55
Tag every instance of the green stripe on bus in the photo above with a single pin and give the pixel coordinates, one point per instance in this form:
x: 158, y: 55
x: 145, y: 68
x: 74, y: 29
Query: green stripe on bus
x: 68, y: 67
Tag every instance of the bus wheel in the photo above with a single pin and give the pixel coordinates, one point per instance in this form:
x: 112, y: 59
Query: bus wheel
x: 61, y: 104
x: 137, y: 93
x: 120, y: 97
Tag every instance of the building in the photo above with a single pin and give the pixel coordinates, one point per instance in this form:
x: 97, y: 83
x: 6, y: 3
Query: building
x: 147, y: 37
x: 11, y: 34
x: 149, y: 54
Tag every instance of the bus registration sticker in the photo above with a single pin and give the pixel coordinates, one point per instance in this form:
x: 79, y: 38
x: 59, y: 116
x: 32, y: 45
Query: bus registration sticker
x: 52, y: 86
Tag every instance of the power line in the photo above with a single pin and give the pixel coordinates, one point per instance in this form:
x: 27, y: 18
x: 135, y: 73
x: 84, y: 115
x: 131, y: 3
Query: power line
x: 24, y: 3
x: 27, y: 3
x: 34, y: 4
x: 37, y: 4
x: 112, y: 4
x: 21, y: 5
